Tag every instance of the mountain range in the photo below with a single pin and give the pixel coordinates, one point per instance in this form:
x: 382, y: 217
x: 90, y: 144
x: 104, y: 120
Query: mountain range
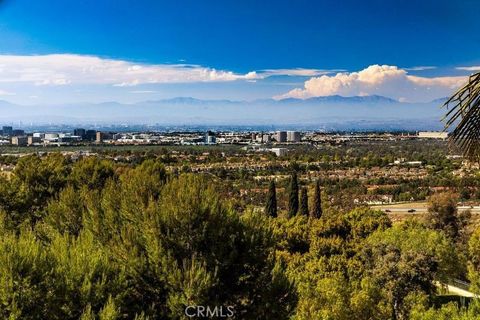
x: 323, y: 112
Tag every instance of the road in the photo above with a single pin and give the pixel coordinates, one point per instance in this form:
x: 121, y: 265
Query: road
x: 458, y: 288
x: 417, y: 208
x: 459, y: 291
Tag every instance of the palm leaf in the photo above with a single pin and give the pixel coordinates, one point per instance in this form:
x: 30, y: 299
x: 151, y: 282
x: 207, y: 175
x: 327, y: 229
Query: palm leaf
x: 463, y: 116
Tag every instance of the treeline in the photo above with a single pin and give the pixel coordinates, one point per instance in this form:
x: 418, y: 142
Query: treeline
x: 92, y: 239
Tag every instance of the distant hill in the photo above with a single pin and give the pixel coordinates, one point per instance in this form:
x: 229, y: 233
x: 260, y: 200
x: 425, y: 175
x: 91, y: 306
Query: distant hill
x: 318, y: 111
x: 440, y: 101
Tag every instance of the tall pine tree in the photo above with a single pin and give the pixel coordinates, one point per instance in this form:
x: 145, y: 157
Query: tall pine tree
x: 304, y: 202
x: 271, y: 205
x: 317, y: 202
x: 293, y: 196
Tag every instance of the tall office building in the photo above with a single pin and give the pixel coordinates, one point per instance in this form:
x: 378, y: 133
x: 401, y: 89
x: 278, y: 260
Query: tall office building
x: 7, y: 131
x: 79, y: 132
x: 281, y: 136
x: 210, y: 138
x: 102, y: 136
x: 18, y: 133
x: 293, y: 136
x: 90, y: 135
x: 19, y: 141
x: 33, y: 139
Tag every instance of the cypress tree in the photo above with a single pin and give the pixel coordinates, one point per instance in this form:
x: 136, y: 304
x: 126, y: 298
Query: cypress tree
x: 293, y: 196
x: 317, y: 202
x: 304, y: 202
x: 271, y: 205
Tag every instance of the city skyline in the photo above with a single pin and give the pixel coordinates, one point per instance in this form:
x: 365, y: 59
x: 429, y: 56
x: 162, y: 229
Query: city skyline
x: 130, y: 52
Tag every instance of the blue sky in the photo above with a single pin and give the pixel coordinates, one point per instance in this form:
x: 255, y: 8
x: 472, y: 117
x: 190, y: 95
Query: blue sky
x: 67, y: 51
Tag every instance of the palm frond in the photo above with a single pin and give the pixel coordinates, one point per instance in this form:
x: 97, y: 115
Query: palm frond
x: 463, y: 116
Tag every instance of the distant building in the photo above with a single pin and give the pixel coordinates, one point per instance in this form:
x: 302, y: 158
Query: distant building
x: 281, y: 136
x: 51, y: 136
x: 266, y: 138
x: 117, y: 136
x: 19, y: 141
x: 79, y: 132
x: 433, y: 135
x: 293, y: 136
x: 102, y: 136
x: 32, y: 140
x: 68, y: 139
x: 90, y: 135
x: 18, y: 132
x: 7, y: 131
x: 210, y: 138
x: 413, y: 163
x: 279, y: 151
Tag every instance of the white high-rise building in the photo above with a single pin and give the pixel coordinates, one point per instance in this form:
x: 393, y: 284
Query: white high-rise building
x: 293, y: 136
x: 281, y: 136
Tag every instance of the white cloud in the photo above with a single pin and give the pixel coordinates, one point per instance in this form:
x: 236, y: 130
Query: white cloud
x: 472, y: 68
x: 6, y: 93
x: 389, y: 81
x: 64, y: 69
x: 295, y: 72
x: 420, y: 68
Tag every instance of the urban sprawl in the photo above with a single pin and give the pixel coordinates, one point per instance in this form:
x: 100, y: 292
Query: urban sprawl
x: 257, y: 141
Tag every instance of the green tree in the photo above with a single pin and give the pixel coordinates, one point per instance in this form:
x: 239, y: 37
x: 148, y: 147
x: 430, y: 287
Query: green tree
x: 401, y: 264
x: 144, y: 182
x: 35, y: 181
x: 474, y: 261
x: 413, y: 236
x: 92, y: 172
x: 65, y: 214
x: 293, y: 195
x: 304, y: 202
x: 443, y: 215
x: 271, y: 205
x: 401, y: 274
x: 317, y: 202
x: 449, y: 311
x: 189, y: 247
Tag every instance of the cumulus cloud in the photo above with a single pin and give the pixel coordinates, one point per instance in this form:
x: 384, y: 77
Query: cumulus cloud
x: 389, y: 81
x: 472, y: 68
x: 64, y: 69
